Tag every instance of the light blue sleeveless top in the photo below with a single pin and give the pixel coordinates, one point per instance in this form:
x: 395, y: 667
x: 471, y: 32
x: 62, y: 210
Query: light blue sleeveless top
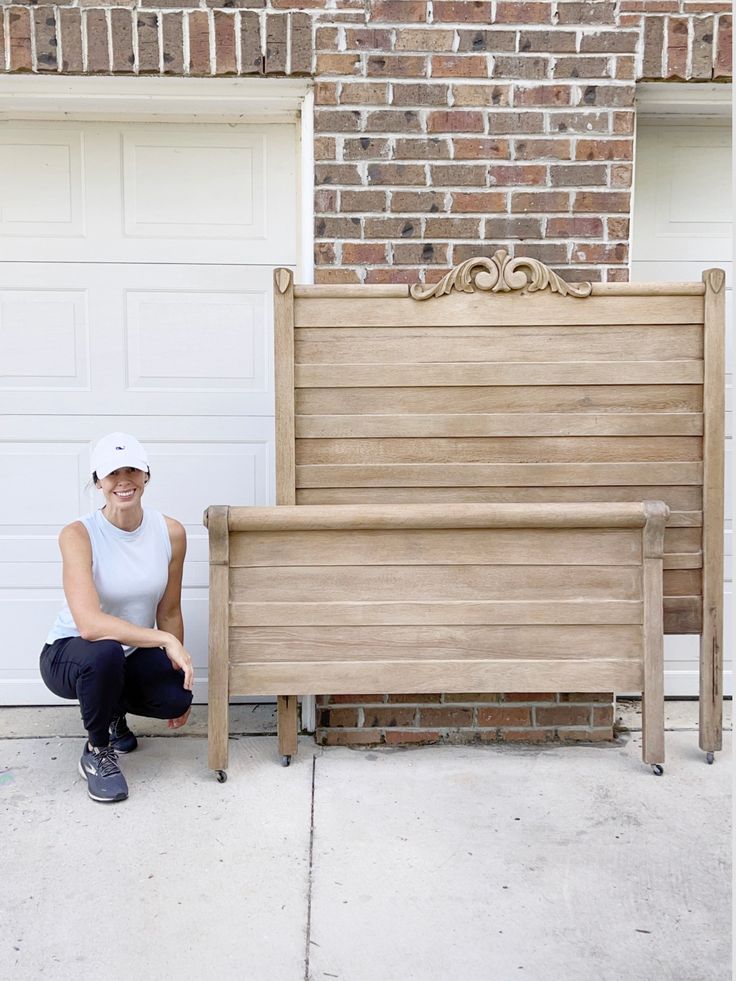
x: 130, y: 570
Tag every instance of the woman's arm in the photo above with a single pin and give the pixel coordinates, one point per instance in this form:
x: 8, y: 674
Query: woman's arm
x: 84, y: 603
x: 168, y: 614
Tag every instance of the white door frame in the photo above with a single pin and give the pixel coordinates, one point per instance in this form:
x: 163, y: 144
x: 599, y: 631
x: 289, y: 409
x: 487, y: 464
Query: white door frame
x: 209, y: 100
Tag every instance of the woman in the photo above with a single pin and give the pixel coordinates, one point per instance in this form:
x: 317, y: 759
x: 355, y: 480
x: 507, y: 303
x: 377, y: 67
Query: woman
x: 118, y: 643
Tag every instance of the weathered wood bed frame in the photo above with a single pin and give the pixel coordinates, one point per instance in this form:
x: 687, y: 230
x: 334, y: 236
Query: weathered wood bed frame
x: 456, y: 597
x: 502, y: 383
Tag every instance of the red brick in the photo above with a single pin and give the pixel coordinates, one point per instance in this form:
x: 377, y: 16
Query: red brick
x: 586, y: 12
x: 325, y: 199
x: 364, y: 93
x: 601, y: 253
x: 526, y: 735
x: 504, y: 716
x: 123, y: 55
x: 325, y: 93
x: 618, y: 228
x: 562, y: 715
x: 503, y: 123
x: 172, y: 25
x: 443, y: 716
x: 585, y: 123
x: 623, y: 122
x: 336, y: 277
x: 47, y: 43
x: 199, y: 43
x: 425, y: 697
x: 520, y: 12
x: 459, y: 66
x: 337, y: 121
x: 543, y: 95
x: 422, y: 202
x: 390, y: 715
x: 603, y: 715
x: 702, y: 48
x: 535, y: 696
x: 504, y: 229
x: 602, y: 202
x: 334, y: 173
x: 300, y: 40
x: 392, y: 275
x: 585, y: 696
x: 574, y: 228
x: 492, y: 41
x: 724, y: 48
x: 324, y: 254
x: 338, y: 64
x: 225, y: 57
x: 327, y: 38
x: 486, y: 94
x: 604, y: 150
x: 393, y: 228
x: 481, y: 149
x: 549, y: 253
x: 396, y: 174
x: 653, y: 47
x: 458, y: 175
x: 540, y: 201
x: 578, y: 175
x: 98, y: 57
x: 455, y: 121
x: 251, y: 54
x: 526, y: 67
x: 338, y: 717
x: 397, y: 737
x: 555, y: 41
x: 71, y: 40
x: 420, y: 253
x: 585, y: 735
x: 590, y: 67
x: 361, y: 254
x: 479, y: 201
x: 362, y: 202
x: 325, y: 148
x: 430, y: 39
x: 617, y: 275
x: 333, y: 228
x: 461, y: 251
x: 19, y: 32
x: 396, y: 66
x: 434, y: 148
x: 349, y: 737
x: 465, y: 12
x: 367, y: 39
x: 625, y: 68
x: 420, y: 94
x: 276, y: 43
x: 550, y: 149
x: 365, y: 148
x: 622, y: 175
x: 609, y: 42
x: 607, y: 95
x: 148, y: 52
x: 501, y: 175
x: 453, y: 228
x: 393, y: 121
x: 677, y: 48
x: 399, y: 11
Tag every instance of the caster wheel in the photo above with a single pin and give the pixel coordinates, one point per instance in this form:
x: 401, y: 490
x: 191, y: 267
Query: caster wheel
x: 221, y: 776
x: 657, y: 769
x: 285, y: 760
x: 710, y: 758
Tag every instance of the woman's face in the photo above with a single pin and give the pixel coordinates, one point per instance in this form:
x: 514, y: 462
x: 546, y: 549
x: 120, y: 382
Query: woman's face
x: 124, y: 487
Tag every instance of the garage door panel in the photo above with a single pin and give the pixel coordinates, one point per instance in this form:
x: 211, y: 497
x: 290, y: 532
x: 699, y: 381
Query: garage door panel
x: 210, y: 193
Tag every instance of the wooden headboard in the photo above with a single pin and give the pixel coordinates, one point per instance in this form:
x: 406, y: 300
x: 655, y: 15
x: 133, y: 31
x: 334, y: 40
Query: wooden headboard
x: 503, y: 383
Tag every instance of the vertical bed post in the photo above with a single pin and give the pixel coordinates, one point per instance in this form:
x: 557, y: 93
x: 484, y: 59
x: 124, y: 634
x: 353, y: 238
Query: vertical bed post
x: 216, y: 520
x: 652, y: 700
x: 283, y: 308
x: 711, y: 638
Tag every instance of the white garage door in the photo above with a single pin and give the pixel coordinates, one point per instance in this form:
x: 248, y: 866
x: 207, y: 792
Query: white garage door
x: 682, y: 225
x: 135, y: 294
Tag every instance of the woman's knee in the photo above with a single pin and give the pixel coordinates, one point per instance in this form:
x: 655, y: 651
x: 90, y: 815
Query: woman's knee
x: 182, y: 701
x: 107, y: 658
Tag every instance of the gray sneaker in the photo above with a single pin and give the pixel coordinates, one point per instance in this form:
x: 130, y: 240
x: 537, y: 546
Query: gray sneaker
x: 122, y: 739
x: 105, y: 781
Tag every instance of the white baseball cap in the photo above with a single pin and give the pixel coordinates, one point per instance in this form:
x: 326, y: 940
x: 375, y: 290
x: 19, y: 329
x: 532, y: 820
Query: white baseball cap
x: 118, y: 450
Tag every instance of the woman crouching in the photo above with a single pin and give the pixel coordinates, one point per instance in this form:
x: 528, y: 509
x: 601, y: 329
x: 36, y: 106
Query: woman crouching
x: 117, y: 645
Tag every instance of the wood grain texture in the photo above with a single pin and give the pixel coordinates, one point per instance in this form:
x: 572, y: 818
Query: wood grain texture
x: 284, y: 355
x: 217, y: 674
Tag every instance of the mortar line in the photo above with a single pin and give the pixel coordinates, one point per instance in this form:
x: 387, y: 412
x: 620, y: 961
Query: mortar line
x: 309, y: 880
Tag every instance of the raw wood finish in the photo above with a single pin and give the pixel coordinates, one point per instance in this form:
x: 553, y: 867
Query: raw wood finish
x: 506, y: 389
x: 217, y: 675
x: 283, y: 303
x: 455, y: 597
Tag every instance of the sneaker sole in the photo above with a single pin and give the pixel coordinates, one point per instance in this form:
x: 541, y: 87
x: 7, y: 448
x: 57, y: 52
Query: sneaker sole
x: 124, y: 752
x: 102, y: 800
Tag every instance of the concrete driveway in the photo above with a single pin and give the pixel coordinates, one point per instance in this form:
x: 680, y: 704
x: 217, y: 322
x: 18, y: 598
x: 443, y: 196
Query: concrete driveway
x: 427, y: 864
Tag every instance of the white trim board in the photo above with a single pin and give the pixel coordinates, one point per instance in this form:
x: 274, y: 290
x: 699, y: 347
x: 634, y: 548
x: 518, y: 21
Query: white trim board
x: 703, y: 100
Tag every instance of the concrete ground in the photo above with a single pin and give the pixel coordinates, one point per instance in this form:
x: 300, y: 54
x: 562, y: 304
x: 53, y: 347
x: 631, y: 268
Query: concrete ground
x: 427, y: 864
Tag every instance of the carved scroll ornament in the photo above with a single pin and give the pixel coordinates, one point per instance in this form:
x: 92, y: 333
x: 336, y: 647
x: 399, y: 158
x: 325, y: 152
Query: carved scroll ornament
x: 500, y: 274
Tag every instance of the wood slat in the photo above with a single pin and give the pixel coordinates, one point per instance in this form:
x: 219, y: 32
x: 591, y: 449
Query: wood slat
x: 683, y: 614
x: 500, y: 546
x: 687, y: 498
x: 683, y: 539
x: 683, y: 560
x: 424, y: 676
x: 682, y: 582
x: 483, y: 309
x: 244, y: 614
x: 424, y: 345
x: 411, y: 643
x: 523, y: 399
x: 508, y: 475
x: 499, y: 374
x: 432, y: 583
x: 489, y: 450
x: 501, y: 424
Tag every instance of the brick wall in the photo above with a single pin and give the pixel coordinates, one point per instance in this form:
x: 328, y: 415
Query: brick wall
x: 443, y: 130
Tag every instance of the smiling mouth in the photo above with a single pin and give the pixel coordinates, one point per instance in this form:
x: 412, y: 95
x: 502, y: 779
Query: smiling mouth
x: 125, y: 495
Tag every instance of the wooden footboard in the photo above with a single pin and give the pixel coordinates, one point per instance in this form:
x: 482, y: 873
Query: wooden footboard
x: 457, y: 597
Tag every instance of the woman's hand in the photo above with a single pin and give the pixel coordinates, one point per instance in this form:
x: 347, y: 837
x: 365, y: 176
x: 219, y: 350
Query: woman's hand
x: 180, y: 659
x: 181, y: 721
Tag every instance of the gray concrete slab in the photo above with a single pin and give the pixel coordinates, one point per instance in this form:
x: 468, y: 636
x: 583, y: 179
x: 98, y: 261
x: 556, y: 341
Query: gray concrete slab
x: 490, y: 864
x: 467, y: 863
